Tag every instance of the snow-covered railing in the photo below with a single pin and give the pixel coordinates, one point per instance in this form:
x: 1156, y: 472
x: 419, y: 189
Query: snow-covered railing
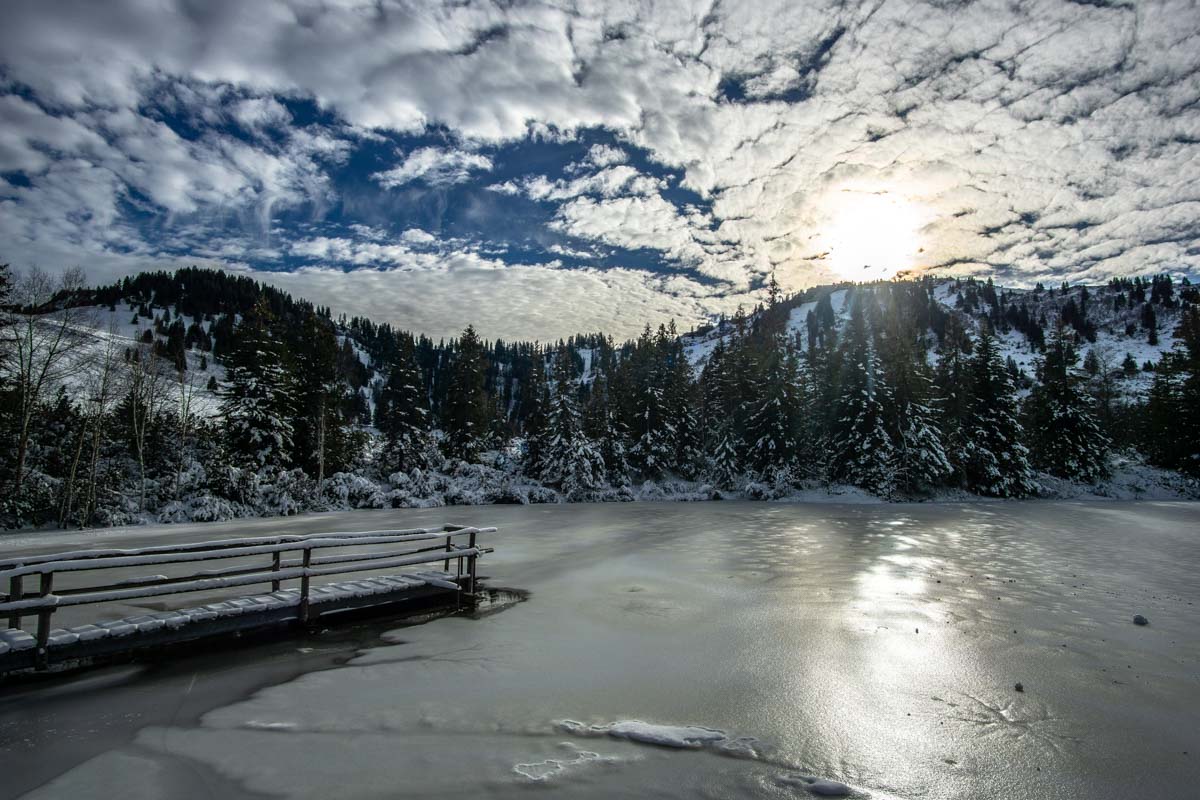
x: 396, y: 548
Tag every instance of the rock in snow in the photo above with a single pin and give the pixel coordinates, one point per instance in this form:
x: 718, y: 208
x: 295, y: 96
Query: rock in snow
x: 1138, y: 619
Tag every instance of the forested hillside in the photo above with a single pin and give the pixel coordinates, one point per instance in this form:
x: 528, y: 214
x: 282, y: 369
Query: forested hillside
x: 203, y: 395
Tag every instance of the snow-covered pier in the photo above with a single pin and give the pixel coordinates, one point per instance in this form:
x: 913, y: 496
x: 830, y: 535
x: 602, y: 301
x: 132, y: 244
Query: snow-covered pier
x: 403, y: 566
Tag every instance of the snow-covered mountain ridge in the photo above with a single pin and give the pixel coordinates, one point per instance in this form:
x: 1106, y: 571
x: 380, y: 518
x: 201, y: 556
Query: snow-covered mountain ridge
x: 1114, y: 314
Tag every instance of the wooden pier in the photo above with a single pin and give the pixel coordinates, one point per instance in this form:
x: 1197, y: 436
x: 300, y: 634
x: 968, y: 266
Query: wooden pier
x: 404, y: 564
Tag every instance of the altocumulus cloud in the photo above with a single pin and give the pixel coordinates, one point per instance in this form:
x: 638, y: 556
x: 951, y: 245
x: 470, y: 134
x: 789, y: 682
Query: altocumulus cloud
x: 542, y: 167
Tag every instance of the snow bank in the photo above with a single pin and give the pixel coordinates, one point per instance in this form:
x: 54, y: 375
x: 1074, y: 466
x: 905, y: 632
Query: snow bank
x: 681, y: 737
x: 694, y: 737
x: 237, y: 493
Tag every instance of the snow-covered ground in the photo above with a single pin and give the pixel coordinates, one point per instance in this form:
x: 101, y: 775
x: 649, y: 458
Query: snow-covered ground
x: 101, y: 329
x: 679, y: 651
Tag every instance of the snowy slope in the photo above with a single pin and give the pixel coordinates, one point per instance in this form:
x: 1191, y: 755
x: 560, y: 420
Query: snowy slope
x: 100, y: 328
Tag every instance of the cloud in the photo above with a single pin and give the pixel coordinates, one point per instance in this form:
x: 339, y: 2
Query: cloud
x: 603, y: 155
x: 542, y: 302
x: 393, y: 256
x: 608, y: 182
x: 1047, y: 140
x: 418, y: 236
x: 256, y: 113
x: 434, y: 166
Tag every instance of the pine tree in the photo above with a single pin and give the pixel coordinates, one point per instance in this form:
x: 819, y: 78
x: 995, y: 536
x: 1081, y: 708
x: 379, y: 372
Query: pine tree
x: 321, y: 437
x: 1173, y: 409
x: 653, y: 449
x: 571, y: 460
x: 994, y: 460
x: 1065, y: 435
x: 466, y: 411
x: 713, y: 419
x: 678, y: 401
x: 952, y: 390
x: 725, y: 466
x: 605, y: 428
x: 654, y: 446
x: 259, y: 399
x: 862, y: 453
x: 821, y: 373
x: 537, y: 392
x: 401, y: 415
x: 738, y: 383
x: 773, y: 431
x: 920, y: 458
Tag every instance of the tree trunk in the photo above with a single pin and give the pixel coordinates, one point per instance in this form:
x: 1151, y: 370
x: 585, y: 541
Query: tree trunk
x: 69, y: 485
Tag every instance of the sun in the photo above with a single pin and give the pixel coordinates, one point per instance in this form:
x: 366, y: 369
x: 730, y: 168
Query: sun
x: 872, y: 235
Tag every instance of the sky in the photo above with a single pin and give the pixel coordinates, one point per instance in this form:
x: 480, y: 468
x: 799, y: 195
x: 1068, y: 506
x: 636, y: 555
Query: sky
x: 541, y: 169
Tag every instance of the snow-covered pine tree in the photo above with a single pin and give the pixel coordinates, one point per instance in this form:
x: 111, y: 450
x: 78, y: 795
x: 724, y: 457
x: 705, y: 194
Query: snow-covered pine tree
x: 1173, y: 410
x: 258, y: 400
x: 725, y: 463
x: 994, y: 460
x: 678, y: 396
x: 537, y: 398
x: 466, y: 409
x: 773, y: 425
x: 920, y: 458
x: 862, y: 452
x: 820, y: 372
x: 401, y: 414
x: 721, y: 446
x: 712, y: 417
x: 1065, y: 435
x: 570, y: 461
x: 604, y: 427
x: 952, y: 392
x: 653, y: 450
x: 739, y: 376
x: 322, y: 441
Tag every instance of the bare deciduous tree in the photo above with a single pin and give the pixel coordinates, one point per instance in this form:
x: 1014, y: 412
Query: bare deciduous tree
x: 41, y: 333
x: 99, y: 396
x: 147, y: 379
x: 185, y: 386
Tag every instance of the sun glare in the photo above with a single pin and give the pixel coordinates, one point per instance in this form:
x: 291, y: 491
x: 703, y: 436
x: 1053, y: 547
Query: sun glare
x: 872, y: 235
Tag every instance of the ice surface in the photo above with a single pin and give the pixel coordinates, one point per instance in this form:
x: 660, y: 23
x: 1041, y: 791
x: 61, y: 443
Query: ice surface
x: 790, y: 623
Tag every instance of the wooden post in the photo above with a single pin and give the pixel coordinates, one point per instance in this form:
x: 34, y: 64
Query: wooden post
x: 15, y: 593
x: 43, y: 627
x: 449, y: 548
x: 471, y: 568
x: 275, y: 568
x: 304, y: 586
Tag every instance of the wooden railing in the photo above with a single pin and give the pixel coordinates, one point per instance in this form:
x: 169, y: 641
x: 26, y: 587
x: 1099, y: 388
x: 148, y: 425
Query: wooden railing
x: 407, y: 548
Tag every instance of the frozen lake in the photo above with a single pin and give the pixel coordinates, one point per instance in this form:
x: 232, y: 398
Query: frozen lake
x: 875, y: 645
